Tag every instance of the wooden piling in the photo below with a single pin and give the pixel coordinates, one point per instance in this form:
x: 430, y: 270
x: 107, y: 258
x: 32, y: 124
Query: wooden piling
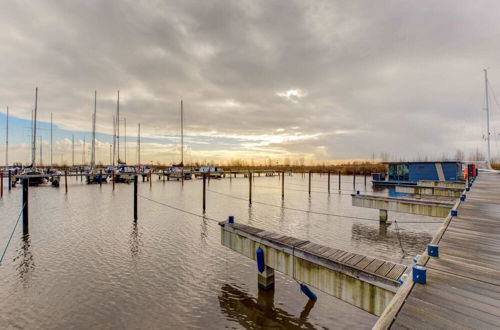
x: 328, y: 181
x: 365, y: 177
x: 135, y: 197
x: 204, y: 192
x: 100, y: 177
x: 309, y: 182
x: 354, y: 180
x: 113, y: 178
x: 25, y: 206
x: 150, y: 180
x: 66, y: 180
x: 339, y: 179
x: 1, y: 185
x: 250, y: 187
x: 283, y: 185
x: 10, y: 180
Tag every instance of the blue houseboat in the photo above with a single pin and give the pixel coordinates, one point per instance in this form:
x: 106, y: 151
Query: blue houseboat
x: 412, y: 172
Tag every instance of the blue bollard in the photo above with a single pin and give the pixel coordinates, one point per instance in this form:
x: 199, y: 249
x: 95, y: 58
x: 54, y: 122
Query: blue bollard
x: 357, y: 192
x: 419, y: 274
x: 308, y: 292
x: 230, y: 219
x: 462, y: 198
x: 467, y: 189
x: 454, y: 213
x: 261, y: 265
x: 433, y: 250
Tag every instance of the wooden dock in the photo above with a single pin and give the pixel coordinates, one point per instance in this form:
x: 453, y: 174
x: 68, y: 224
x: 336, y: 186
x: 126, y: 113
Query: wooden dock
x: 365, y: 282
x: 463, y: 284
x: 429, y: 190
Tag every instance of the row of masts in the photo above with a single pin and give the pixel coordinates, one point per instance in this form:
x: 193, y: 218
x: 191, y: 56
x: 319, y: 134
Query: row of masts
x: 116, y: 137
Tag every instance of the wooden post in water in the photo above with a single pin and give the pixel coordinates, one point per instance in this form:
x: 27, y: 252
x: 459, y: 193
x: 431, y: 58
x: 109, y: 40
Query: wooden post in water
x: 339, y: 179
x: 66, y: 180
x: 135, y: 197
x: 364, y: 171
x: 1, y: 184
x: 283, y: 185
x: 25, y: 206
x: 354, y: 180
x: 113, y: 178
x: 328, y: 181
x: 309, y: 182
x: 250, y: 187
x: 204, y: 192
x: 10, y: 180
x: 100, y: 177
x: 150, y: 180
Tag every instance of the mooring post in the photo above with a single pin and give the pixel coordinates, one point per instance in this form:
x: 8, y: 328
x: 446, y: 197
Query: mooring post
x: 113, y: 178
x: 150, y: 180
x: 250, y: 187
x: 283, y: 185
x: 328, y: 182
x: 339, y: 180
x: 135, y: 197
x: 100, y: 177
x: 25, y: 206
x: 364, y: 172
x: 204, y: 192
x: 383, y: 216
x: 1, y: 184
x: 354, y: 180
x: 10, y: 180
x: 66, y: 180
x: 309, y: 182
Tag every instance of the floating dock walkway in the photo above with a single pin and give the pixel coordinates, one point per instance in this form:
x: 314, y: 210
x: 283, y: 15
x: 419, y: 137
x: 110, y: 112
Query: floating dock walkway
x: 365, y: 282
x: 462, y: 288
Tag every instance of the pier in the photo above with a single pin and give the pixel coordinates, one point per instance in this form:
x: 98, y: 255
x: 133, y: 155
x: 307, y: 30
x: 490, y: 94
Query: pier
x: 430, y: 190
x: 365, y: 282
x: 462, y: 286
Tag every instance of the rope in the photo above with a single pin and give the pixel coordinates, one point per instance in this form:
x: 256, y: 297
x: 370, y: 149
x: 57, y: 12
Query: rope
x: 12, y: 234
x: 399, y: 238
x: 179, y: 209
x: 314, y: 212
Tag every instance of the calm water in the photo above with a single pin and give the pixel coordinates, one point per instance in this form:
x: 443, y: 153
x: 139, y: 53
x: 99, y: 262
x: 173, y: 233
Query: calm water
x: 86, y: 264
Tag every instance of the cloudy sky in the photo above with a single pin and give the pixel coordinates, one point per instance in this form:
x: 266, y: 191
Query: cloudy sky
x: 319, y: 80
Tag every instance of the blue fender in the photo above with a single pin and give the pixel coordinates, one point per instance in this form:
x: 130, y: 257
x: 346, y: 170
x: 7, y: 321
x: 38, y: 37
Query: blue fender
x: 308, y: 292
x: 261, y: 265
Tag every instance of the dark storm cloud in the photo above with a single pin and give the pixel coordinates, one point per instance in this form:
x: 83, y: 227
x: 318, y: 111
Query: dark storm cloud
x: 369, y: 76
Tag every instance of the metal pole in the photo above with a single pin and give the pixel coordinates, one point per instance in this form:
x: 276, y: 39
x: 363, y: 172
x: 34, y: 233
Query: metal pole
x: 204, y: 192
x: 283, y: 185
x: 25, y: 205
x: 328, y: 181
x: 487, y: 114
x: 250, y: 187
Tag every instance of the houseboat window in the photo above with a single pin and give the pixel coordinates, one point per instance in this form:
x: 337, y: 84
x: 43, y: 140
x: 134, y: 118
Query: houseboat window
x: 399, y: 172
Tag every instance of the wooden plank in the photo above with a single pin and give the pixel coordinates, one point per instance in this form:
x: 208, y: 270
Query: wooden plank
x: 385, y: 268
x: 396, y: 272
x: 374, y: 265
x: 365, y: 262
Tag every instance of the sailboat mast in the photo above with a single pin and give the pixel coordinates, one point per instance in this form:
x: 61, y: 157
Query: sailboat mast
x: 139, y: 144
x: 92, y: 159
x: 7, y: 140
x: 182, y: 134
x: 33, y: 151
x: 51, y: 139
x: 41, y: 158
x: 125, y: 127
x: 73, y: 150
x: 114, y: 140
x: 83, y: 152
x: 487, y: 114
x: 118, y: 126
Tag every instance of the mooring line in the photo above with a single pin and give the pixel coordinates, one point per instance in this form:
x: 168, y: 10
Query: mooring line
x: 179, y: 209
x: 314, y: 212
x: 12, y: 234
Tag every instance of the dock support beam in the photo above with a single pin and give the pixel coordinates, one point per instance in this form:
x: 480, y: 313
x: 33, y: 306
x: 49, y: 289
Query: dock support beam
x: 266, y: 279
x: 25, y: 206
x: 135, y: 198
x: 383, y: 216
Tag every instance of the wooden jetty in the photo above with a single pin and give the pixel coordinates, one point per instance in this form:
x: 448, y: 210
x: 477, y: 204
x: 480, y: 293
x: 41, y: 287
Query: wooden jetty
x: 462, y: 289
x: 429, y: 190
x: 365, y: 282
x: 428, y: 207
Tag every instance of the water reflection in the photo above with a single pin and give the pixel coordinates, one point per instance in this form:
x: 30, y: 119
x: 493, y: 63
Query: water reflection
x: 260, y: 313
x: 24, y: 255
x: 135, y: 240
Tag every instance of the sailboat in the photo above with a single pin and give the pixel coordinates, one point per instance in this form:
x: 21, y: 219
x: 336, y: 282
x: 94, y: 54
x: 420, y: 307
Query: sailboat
x: 94, y: 175
x: 177, y: 171
x: 34, y: 175
x: 124, y: 172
